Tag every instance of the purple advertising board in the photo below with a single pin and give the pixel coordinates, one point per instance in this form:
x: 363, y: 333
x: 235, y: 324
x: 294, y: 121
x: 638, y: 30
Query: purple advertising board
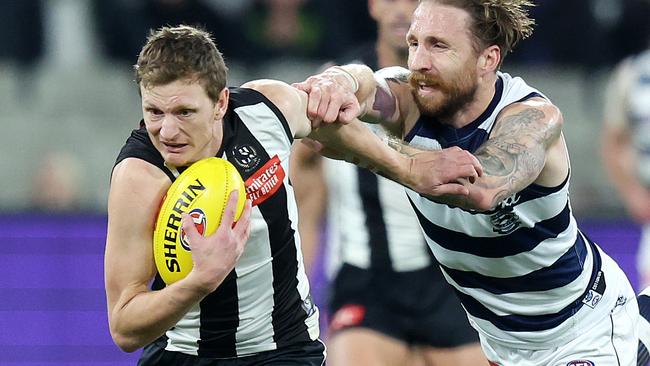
x: 52, y: 301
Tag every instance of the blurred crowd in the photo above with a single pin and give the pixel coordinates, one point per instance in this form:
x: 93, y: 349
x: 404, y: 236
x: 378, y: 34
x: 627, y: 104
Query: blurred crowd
x: 592, y: 33
x: 255, y: 36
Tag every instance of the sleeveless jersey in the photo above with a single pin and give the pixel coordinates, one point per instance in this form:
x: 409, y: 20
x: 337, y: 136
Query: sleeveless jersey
x: 264, y: 303
x: 523, y: 271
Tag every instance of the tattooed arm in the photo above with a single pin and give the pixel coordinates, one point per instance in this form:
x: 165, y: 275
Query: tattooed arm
x: 525, y: 147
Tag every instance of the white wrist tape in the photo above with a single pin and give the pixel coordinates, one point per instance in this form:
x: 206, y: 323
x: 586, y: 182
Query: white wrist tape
x: 351, y: 78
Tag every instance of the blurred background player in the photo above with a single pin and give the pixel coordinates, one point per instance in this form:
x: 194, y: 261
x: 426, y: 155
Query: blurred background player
x: 626, y: 154
x: 626, y: 146
x: 388, y: 302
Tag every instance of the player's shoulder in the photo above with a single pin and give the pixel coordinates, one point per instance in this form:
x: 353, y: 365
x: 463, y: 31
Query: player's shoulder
x: 278, y: 93
x: 137, y: 173
x: 289, y: 100
x: 534, y: 108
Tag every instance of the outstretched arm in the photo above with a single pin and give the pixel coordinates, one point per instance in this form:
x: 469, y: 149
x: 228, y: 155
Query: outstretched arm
x: 434, y: 173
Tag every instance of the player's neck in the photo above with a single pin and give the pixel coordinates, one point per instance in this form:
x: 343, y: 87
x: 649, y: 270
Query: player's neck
x: 388, y: 55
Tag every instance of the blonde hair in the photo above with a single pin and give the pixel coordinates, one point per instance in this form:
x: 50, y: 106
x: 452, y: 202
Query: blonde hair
x: 182, y: 52
x: 496, y: 22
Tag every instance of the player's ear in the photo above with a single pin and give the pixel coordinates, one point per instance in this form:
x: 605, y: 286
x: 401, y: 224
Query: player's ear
x: 489, y: 59
x: 222, y: 104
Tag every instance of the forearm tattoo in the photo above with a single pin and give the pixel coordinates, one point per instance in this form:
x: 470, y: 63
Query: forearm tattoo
x: 515, y: 154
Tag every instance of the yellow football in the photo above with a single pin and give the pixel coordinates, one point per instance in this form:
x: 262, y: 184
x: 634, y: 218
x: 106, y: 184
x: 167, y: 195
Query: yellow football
x: 202, y: 191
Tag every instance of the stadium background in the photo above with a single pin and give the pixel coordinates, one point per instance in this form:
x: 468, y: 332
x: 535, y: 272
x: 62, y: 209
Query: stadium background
x: 67, y: 103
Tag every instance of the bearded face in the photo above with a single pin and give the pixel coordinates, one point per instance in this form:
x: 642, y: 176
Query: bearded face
x: 443, y: 95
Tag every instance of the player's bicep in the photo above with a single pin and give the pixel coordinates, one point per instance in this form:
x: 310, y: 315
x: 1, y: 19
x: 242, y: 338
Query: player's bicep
x: 516, y: 152
x: 137, y: 188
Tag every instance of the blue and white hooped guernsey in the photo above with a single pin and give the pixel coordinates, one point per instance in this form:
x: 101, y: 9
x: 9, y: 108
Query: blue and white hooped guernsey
x: 524, y: 272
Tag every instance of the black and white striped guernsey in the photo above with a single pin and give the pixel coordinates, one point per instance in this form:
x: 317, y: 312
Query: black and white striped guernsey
x: 264, y: 304
x: 371, y: 224
x: 523, y: 271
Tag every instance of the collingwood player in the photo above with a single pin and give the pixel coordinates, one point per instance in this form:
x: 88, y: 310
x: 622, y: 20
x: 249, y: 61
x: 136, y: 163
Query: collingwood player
x: 246, y: 300
x: 538, y: 291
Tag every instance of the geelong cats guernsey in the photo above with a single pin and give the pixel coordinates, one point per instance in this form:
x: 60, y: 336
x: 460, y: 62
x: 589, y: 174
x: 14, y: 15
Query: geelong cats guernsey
x: 264, y: 304
x: 524, y: 272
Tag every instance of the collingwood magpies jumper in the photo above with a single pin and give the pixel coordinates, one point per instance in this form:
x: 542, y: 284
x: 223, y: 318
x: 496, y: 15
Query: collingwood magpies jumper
x: 264, y: 303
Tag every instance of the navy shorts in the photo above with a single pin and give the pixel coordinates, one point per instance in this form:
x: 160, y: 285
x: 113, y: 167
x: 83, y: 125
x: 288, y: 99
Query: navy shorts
x: 417, y: 307
x: 298, y: 354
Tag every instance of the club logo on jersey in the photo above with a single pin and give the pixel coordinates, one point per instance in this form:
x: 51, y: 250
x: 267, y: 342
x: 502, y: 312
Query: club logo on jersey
x: 348, y: 316
x: 308, y: 306
x: 592, y: 299
x: 596, y: 291
x: 198, y: 216
x: 265, y: 182
x: 580, y: 363
x: 504, y: 219
x: 246, y: 157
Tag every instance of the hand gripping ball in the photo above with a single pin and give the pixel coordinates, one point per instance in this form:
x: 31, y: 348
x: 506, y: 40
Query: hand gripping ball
x: 202, y: 191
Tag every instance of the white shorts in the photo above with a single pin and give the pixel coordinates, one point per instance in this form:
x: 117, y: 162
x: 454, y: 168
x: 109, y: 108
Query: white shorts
x: 612, y: 341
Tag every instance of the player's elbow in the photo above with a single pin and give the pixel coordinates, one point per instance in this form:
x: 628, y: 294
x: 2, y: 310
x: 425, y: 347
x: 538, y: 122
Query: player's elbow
x: 126, y: 341
x: 126, y: 344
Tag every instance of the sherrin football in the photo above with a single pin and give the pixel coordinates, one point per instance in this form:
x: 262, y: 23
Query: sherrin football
x: 202, y: 191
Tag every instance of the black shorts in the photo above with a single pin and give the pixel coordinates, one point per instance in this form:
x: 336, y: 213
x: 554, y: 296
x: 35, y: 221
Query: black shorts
x: 418, y: 307
x: 298, y: 354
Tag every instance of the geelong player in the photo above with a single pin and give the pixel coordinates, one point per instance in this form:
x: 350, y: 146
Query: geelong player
x: 538, y: 291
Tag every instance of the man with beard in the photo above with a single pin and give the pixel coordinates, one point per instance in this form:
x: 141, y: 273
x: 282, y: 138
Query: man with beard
x: 387, y: 299
x: 538, y: 291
